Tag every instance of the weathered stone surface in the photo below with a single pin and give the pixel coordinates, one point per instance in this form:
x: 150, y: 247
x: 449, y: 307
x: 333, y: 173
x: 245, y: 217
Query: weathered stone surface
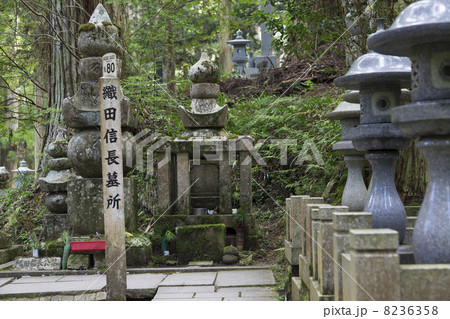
x: 84, y: 153
x: 55, y: 181
x: 291, y: 253
x: 78, y: 262
x: 230, y: 259
x: 231, y: 250
x: 78, y: 115
x: 58, y: 148
x: 59, y: 164
x: 45, y: 263
x: 343, y: 221
x: 373, y: 239
x: 56, y: 203
x: 10, y: 253
x: 374, y: 265
x: 200, y: 242
x: 205, y: 91
x: 316, y: 295
x: 99, y: 40
x: 434, y: 282
x: 216, y: 120
x: 204, y: 71
x: 54, y: 225
x: 139, y: 250
x: 183, y: 183
x: 85, y: 205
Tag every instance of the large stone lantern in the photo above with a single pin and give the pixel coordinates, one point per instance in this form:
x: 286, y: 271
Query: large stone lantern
x: 239, y: 51
x: 348, y: 113
x: 379, y: 78
x: 422, y: 32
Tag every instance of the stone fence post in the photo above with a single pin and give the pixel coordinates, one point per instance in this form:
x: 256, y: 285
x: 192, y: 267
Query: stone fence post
x: 342, y: 223
x: 374, y: 265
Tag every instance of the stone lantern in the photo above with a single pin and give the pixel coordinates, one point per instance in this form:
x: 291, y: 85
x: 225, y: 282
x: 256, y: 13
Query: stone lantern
x: 348, y: 113
x: 422, y: 32
x: 379, y: 78
x: 22, y: 172
x: 239, y: 51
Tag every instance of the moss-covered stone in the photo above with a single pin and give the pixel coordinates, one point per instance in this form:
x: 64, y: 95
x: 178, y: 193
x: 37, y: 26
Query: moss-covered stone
x: 139, y: 250
x: 78, y: 262
x: 54, y: 248
x: 200, y: 242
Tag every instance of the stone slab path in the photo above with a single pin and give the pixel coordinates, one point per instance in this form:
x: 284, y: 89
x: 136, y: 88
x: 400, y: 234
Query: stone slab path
x: 221, y: 285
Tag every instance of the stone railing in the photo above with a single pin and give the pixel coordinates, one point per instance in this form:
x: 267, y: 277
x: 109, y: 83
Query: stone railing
x: 337, y: 255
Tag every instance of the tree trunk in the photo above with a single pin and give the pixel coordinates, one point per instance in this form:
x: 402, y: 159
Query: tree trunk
x: 225, y: 52
x: 171, y: 66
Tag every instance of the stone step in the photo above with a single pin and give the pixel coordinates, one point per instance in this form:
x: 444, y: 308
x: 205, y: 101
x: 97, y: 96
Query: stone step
x: 411, y: 221
x: 412, y: 210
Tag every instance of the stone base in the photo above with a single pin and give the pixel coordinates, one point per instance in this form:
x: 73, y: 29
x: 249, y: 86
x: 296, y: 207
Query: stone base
x: 79, y: 262
x: 30, y: 263
x: 54, y: 225
x: 85, y: 206
x: 200, y: 242
x: 315, y: 294
x: 291, y: 253
x: 171, y: 222
x: 10, y: 253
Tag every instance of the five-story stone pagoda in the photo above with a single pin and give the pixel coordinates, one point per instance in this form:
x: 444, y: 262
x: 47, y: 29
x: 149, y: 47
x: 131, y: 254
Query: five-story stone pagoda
x: 195, y: 174
x: 82, y: 112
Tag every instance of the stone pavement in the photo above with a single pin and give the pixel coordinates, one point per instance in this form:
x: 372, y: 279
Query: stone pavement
x: 220, y: 285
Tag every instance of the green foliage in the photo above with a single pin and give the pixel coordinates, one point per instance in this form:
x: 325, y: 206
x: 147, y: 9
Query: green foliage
x: 21, y: 211
x: 303, y: 25
x: 65, y: 237
x: 297, y: 119
x: 241, y: 217
x: 169, y: 236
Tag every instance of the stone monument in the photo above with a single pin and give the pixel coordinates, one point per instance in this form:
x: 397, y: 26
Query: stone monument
x: 82, y: 112
x: 194, y: 172
x: 422, y: 32
x: 379, y: 78
x: 267, y: 60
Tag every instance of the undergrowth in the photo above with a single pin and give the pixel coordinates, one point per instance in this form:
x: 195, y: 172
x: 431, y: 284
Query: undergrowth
x: 21, y: 211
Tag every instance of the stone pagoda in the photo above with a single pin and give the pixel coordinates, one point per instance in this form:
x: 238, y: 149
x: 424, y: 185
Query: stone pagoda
x: 195, y: 170
x: 82, y: 112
